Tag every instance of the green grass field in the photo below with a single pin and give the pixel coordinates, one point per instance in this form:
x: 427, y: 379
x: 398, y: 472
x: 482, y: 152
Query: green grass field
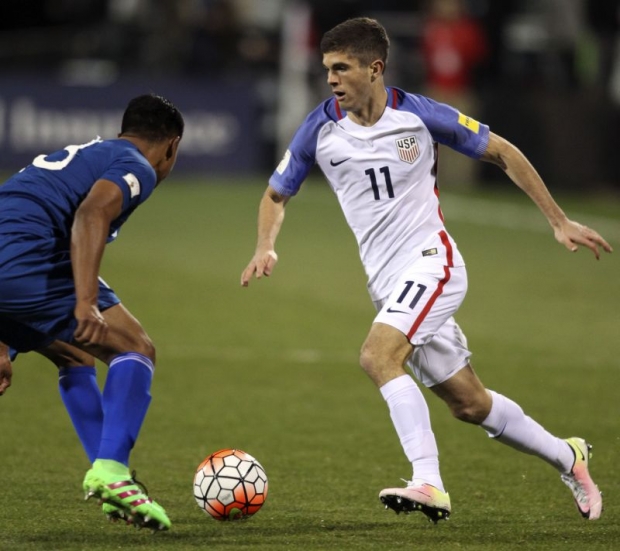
x: 273, y: 370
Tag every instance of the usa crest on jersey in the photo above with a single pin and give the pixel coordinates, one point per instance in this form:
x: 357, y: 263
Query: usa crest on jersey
x: 408, y: 149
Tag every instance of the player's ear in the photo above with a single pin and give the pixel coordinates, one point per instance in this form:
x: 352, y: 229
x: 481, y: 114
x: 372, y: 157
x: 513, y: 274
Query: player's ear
x: 376, y: 69
x: 173, y: 145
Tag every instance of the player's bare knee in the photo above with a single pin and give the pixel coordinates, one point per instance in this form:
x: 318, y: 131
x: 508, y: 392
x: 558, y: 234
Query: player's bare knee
x: 380, y: 367
x: 146, y: 347
x: 366, y: 358
x: 472, y: 408
x: 369, y: 359
x: 471, y: 411
x: 372, y: 365
x: 139, y: 343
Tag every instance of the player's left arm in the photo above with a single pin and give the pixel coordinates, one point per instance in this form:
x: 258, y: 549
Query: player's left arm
x: 514, y: 163
x: 6, y: 369
x: 89, y: 233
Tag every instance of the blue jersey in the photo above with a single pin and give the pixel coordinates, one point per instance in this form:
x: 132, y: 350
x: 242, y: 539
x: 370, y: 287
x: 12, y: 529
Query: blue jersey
x: 44, y: 196
x: 37, y: 209
x: 384, y: 177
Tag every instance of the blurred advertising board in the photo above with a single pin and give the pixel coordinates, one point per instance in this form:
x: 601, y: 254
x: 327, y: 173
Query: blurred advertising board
x: 39, y: 115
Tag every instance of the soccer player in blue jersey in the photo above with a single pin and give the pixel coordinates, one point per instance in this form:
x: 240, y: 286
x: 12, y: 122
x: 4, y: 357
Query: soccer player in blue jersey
x: 377, y: 147
x: 56, y: 216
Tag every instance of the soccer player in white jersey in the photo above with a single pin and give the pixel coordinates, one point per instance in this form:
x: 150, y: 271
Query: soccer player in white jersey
x: 377, y: 147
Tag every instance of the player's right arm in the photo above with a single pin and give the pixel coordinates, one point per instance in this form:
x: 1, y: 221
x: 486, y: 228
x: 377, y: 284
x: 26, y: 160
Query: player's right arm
x: 270, y: 218
x: 89, y: 234
x: 285, y: 182
x: 6, y: 369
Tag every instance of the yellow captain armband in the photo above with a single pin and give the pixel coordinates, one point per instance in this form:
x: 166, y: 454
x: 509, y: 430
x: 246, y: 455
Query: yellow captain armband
x: 469, y: 123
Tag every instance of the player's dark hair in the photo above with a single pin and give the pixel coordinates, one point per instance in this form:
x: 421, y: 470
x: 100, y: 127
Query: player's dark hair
x: 152, y: 117
x: 362, y: 37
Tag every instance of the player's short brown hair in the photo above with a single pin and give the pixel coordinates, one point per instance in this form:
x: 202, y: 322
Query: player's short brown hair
x: 361, y: 37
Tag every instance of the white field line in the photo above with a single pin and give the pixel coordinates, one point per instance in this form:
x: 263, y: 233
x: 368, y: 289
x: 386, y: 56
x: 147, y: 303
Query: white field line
x: 306, y: 356
x: 486, y: 212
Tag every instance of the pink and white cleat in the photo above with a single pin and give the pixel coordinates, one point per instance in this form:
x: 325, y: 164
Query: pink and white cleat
x: 588, y: 498
x: 425, y: 498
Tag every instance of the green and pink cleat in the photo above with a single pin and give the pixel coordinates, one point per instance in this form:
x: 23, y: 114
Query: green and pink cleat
x: 122, y: 497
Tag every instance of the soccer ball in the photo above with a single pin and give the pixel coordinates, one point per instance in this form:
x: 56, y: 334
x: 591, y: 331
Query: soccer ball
x: 230, y: 485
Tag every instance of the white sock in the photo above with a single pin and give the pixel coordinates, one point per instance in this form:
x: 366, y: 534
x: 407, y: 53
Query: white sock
x: 508, y: 424
x: 411, y: 419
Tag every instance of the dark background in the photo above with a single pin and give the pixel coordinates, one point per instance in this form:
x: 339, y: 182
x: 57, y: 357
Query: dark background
x: 549, y: 79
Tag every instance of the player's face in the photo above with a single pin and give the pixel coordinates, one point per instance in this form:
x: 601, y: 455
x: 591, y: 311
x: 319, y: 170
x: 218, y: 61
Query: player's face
x: 349, y: 80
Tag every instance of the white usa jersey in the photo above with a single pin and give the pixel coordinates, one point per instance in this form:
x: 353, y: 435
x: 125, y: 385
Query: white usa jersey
x: 385, y: 178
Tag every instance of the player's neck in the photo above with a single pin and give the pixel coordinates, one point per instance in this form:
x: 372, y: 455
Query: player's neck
x: 370, y: 112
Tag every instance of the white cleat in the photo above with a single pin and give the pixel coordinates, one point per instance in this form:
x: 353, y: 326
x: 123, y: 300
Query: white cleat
x: 588, y: 497
x: 425, y: 498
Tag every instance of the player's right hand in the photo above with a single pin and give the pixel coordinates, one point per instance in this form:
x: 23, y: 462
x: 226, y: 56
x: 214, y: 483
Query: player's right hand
x: 261, y: 265
x: 91, y: 328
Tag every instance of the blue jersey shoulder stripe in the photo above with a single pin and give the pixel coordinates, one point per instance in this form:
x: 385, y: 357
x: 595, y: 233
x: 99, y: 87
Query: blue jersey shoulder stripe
x: 446, y: 125
x: 301, y: 154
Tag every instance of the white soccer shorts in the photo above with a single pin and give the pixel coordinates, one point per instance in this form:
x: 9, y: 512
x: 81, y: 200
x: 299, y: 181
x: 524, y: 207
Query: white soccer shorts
x: 422, y: 306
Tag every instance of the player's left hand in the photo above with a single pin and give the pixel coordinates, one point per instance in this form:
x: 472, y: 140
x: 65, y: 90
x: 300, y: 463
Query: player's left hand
x: 572, y: 234
x: 6, y: 371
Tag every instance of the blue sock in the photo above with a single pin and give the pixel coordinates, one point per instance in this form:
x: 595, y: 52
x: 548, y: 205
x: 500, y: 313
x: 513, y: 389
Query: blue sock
x: 82, y: 398
x: 126, y: 399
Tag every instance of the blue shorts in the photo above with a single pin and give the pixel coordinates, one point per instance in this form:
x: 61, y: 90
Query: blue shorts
x: 37, y: 292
